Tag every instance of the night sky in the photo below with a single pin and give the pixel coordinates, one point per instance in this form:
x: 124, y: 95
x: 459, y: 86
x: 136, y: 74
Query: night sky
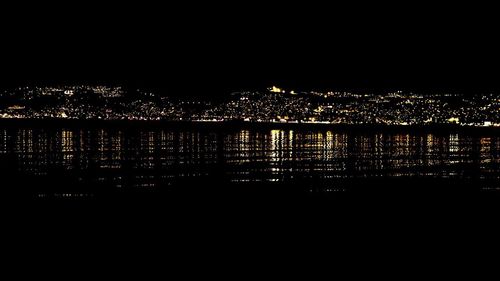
x: 196, y: 51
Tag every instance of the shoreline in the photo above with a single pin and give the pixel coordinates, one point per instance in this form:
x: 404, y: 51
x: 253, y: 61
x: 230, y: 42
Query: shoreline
x: 231, y: 125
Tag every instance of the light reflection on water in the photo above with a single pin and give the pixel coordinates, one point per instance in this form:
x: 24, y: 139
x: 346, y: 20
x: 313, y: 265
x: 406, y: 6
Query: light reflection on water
x: 151, y: 158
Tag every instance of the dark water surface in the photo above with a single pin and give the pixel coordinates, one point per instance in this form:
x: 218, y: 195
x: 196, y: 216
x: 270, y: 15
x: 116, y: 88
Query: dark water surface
x: 91, y: 162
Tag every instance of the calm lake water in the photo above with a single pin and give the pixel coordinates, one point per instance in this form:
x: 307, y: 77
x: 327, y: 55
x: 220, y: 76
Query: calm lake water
x: 158, y: 159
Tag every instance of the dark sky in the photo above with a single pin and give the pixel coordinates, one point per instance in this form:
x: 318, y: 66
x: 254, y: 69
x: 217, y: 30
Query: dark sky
x: 195, y: 50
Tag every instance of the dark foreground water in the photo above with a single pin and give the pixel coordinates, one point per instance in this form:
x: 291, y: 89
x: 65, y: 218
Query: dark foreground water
x: 95, y: 162
x: 195, y: 192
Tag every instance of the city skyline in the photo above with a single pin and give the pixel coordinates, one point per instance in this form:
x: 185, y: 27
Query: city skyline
x: 270, y: 105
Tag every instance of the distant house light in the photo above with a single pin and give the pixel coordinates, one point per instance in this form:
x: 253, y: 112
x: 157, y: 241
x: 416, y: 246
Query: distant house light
x: 275, y: 89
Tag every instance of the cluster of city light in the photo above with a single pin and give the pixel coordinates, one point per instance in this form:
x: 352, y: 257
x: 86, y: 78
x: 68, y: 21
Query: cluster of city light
x: 272, y: 105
